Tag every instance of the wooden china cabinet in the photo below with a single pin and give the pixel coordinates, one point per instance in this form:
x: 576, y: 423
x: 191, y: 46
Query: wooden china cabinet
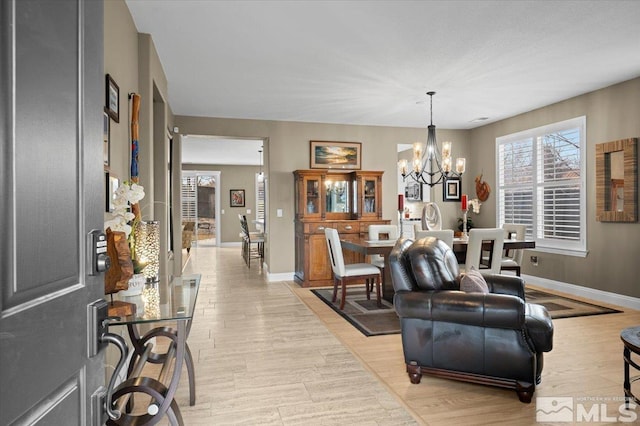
x: 346, y: 201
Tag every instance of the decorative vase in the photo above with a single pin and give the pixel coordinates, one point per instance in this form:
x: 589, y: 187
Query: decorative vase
x: 151, y: 299
x: 147, y: 242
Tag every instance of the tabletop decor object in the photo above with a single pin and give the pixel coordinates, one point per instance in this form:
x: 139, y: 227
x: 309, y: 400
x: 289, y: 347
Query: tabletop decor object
x: 120, y: 239
x: 147, y: 253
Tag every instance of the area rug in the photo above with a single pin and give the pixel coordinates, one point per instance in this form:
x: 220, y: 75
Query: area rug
x: 365, y: 315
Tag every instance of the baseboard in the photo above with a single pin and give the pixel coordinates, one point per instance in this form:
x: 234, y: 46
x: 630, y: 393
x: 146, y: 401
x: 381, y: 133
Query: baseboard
x: 589, y: 293
x: 232, y: 244
x: 281, y: 276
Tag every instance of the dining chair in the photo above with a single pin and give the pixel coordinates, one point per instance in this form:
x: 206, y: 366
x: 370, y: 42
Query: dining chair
x: 342, y: 274
x: 375, y: 232
x: 512, y: 259
x: 479, y: 237
x: 445, y: 235
x: 252, y: 243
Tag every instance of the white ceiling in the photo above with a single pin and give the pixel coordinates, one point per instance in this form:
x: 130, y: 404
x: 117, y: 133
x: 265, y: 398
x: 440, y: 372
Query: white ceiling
x: 371, y: 62
x: 198, y: 149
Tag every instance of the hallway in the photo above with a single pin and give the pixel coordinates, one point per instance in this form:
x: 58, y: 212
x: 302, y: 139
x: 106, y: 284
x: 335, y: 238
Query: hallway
x: 262, y: 357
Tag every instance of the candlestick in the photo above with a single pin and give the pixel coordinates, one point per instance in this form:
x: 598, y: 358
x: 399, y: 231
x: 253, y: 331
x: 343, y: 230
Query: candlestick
x: 400, y: 202
x: 464, y: 202
x: 465, y: 235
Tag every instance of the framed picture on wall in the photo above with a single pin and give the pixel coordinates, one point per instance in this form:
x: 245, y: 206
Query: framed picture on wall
x: 413, y: 192
x: 236, y: 197
x: 105, y: 139
x: 112, y: 101
x: 335, y: 155
x: 451, y: 189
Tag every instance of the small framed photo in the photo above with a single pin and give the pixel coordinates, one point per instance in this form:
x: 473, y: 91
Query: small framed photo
x: 236, y: 197
x: 413, y: 192
x: 105, y: 138
x: 335, y: 155
x: 451, y: 189
x: 111, y: 185
x: 112, y: 101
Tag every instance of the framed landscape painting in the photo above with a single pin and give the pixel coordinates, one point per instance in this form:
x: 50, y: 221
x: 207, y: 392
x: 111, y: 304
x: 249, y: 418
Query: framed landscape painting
x: 335, y: 155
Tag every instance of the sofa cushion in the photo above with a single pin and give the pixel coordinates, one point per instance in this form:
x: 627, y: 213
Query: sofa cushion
x: 473, y: 282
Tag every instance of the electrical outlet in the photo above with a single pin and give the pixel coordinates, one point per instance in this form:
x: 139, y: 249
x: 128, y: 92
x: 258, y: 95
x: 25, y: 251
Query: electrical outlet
x: 534, y: 260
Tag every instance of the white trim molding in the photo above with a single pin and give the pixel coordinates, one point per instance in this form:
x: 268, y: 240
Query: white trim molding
x: 281, y: 276
x: 586, y: 292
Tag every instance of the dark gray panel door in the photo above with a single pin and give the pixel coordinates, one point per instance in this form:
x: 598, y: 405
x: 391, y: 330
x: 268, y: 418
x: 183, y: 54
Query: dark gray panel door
x: 51, y: 190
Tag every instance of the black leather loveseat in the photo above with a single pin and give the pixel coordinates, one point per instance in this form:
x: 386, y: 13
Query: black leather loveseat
x: 493, y: 338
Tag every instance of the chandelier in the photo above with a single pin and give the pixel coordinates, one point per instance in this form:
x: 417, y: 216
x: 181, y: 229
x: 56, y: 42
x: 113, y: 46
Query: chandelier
x: 430, y: 166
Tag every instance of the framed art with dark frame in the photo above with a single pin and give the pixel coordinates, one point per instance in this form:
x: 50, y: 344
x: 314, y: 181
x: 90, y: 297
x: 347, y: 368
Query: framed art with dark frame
x: 112, y: 99
x: 335, y: 155
x: 236, y: 197
x: 105, y: 139
x: 451, y: 189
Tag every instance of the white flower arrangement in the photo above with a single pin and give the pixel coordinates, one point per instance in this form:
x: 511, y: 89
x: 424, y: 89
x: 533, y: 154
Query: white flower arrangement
x: 126, y: 195
x: 475, y: 204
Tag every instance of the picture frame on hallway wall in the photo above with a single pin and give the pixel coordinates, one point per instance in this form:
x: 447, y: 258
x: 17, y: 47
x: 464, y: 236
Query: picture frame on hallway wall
x: 105, y: 139
x: 236, y: 197
x: 112, y: 99
x: 451, y: 189
x: 336, y: 155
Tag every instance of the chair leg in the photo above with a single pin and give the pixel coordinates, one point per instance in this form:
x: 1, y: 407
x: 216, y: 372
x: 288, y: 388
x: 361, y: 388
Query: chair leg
x: 367, y: 284
x: 344, y: 294
x: 378, y: 291
x: 335, y: 289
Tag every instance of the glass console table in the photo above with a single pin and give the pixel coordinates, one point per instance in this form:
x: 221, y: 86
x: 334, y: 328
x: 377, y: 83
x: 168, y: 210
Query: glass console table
x: 171, y: 303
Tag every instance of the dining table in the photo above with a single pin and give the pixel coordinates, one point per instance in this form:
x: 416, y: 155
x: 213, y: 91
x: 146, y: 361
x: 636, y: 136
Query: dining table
x: 383, y: 248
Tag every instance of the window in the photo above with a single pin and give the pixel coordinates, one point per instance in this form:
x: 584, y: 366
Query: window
x: 541, y: 183
x: 260, y: 197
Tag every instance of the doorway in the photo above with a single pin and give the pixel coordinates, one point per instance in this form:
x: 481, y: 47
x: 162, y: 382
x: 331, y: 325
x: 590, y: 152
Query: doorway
x: 201, y: 205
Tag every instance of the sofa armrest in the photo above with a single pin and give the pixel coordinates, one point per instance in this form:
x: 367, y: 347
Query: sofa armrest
x: 478, y: 309
x: 505, y: 284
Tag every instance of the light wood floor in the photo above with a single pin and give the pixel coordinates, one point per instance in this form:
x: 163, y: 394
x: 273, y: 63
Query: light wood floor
x: 274, y: 354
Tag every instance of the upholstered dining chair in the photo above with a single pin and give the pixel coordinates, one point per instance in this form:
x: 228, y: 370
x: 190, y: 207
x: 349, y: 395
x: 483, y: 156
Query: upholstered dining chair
x: 489, y: 264
x: 445, y: 235
x: 252, y: 243
x: 375, y: 232
x: 355, y: 272
x: 512, y: 259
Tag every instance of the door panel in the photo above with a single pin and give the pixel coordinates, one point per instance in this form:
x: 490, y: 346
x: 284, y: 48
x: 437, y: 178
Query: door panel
x: 51, y: 186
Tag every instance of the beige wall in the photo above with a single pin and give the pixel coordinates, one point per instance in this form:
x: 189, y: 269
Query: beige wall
x: 232, y: 177
x: 121, y: 62
x: 612, y: 113
x: 287, y: 149
x: 131, y: 59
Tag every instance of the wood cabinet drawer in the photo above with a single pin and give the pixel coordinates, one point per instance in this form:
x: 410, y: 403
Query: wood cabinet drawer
x: 364, y: 225
x: 349, y: 228
x: 317, y: 227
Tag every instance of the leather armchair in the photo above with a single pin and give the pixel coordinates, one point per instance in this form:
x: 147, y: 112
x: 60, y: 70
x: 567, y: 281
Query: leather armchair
x: 493, y: 339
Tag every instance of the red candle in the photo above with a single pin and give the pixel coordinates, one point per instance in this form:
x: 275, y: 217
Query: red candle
x: 464, y: 202
x: 400, y: 202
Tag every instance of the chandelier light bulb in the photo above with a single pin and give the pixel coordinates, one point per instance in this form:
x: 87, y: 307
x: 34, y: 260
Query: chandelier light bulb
x: 446, y: 149
x: 446, y: 164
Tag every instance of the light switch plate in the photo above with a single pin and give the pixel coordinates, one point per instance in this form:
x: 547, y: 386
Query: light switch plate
x: 279, y: 212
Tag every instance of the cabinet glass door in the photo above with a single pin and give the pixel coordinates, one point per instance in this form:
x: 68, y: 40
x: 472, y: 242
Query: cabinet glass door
x: 337, y: 195
x: 369, y: 196
x: 313, y: 196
